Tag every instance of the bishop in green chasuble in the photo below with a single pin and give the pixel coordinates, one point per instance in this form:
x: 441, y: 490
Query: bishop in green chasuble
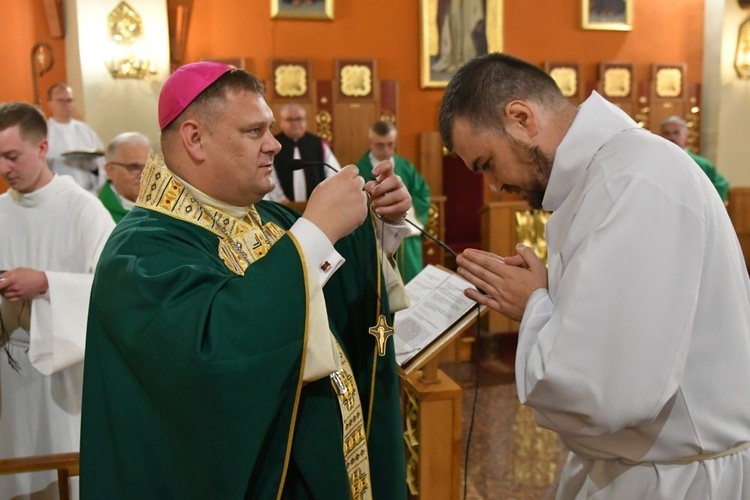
x: 193, y: 386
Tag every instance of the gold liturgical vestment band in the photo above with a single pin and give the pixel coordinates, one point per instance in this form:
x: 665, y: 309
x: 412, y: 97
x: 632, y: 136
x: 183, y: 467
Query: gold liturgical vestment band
x: 355, y: 438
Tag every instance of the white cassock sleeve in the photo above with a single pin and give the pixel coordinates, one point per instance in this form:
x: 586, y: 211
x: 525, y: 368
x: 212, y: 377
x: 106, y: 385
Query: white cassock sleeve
x: 330, y: 158
x: 606, y: 347
x: 59, y: 316
x: 322, y: 357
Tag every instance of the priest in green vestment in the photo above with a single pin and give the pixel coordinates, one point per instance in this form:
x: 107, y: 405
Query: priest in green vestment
x: 675, y: 129
x: 232, y: 344
x: 125, y: 157
x: 382, y: 136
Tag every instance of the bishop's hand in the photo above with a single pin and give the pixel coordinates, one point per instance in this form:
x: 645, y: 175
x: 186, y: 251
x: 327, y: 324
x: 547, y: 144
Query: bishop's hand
x: 388, y: 195
x: 338, y: 205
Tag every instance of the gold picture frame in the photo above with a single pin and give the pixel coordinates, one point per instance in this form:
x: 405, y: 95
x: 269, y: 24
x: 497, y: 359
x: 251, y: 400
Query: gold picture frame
x: 607, y: 15
x: 439, y: 59
x: 302, y: 9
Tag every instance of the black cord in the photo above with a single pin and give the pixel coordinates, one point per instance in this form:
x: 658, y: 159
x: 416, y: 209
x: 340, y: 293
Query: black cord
x: 474, y: 403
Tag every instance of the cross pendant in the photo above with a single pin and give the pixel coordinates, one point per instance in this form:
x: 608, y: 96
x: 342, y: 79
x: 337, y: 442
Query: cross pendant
x: 381, y: 331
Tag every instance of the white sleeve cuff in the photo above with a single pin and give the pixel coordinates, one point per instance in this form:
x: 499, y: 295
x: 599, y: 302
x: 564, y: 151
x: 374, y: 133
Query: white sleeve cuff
x: 391, y: 235
x: 317, y: 249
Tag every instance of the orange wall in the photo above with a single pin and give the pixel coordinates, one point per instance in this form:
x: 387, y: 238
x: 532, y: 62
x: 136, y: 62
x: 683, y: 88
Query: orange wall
x: 24, y: 24
x: 388, y: 31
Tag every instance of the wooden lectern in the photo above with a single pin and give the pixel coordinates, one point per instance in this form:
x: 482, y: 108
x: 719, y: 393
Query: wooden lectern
x: 432, y: 419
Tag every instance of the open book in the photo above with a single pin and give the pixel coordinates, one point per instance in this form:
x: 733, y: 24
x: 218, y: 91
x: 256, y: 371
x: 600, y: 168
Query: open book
x: 437, y: 305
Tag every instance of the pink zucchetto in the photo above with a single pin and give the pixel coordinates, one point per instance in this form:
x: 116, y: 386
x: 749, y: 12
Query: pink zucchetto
x: 184, y: 85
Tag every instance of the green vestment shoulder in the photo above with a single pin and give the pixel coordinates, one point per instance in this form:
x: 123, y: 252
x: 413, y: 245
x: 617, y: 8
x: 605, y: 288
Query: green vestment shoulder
x: 719, y: 182
x: 409, y: 256
x: 192, y: 373
x: 111, y: 202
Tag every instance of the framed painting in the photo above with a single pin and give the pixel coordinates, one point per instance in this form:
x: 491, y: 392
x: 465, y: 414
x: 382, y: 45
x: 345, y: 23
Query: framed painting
x: 302, y: 9
x: 607, y: 15
x: 455, y: 31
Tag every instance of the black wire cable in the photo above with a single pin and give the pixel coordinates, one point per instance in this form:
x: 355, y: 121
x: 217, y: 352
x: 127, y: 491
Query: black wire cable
x: 474, y: 403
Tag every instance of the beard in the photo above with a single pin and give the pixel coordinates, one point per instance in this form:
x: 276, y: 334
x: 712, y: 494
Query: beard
x: 540, y: 167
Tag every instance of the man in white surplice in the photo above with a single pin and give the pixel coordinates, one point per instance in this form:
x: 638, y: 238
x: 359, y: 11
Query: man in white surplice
x: 72, y: 143
x: 635, y: 345
x: 52, y: 234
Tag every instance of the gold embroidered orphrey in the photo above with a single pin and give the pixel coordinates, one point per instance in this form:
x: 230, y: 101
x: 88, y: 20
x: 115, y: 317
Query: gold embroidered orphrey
x: 162, y: 192
x: 356, y: 456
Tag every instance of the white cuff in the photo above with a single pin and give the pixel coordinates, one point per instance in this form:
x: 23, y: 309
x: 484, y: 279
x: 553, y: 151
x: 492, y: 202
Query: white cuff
x: 317, y: 248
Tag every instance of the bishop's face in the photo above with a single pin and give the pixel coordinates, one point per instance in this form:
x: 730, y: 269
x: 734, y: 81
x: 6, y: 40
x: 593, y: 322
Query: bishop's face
x: 23, y: 163
x: 240, y: 149
x: 507, y: 163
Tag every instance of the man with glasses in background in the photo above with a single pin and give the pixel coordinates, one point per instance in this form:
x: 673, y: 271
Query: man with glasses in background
x: 298, y: 144
x: 125, y: 157
x: 74, y: 148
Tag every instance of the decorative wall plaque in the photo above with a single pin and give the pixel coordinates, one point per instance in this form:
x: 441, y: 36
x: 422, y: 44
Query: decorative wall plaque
x: 617, y: 79
x: 668, y: 82
x: 356, y: 80
x: 566, y: 77
x: 290, y: 80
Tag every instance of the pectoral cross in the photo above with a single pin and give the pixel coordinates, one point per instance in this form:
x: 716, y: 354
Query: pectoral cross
x: 381, y: 331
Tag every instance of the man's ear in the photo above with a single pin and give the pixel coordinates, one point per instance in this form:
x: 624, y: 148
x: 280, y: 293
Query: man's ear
x: 521, y: 120
x: 190, y: 134
x: 43, y: 148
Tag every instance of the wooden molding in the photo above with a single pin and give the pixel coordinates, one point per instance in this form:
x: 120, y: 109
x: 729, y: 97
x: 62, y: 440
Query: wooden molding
x: 178, y: 16
x: 54, y: 11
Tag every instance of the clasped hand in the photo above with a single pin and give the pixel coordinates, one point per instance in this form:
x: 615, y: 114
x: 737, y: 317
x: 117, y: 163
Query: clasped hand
x: 22, y: 283
x: 508, y: 282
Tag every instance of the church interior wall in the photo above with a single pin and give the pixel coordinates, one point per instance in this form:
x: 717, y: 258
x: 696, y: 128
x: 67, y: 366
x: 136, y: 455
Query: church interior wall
x: 388, y: 32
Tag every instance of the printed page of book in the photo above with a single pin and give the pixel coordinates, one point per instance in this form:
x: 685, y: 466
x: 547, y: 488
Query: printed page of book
x: 438, y: 302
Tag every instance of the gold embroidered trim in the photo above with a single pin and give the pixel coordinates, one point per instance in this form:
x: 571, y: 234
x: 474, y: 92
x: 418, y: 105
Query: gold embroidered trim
x: 300, y: 380
x: 356, y: 457
x: 162, y: 192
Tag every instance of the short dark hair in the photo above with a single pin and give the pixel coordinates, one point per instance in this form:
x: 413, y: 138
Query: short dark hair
x: 480, y: 90
x: 233, y: 81
x: 31, y: 122
x: 383, y: 127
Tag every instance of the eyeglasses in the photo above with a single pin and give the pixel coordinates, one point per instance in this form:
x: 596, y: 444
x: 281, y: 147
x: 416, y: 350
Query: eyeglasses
x: 131, y: 167
x: 295, y: 119
x: 64, y: 101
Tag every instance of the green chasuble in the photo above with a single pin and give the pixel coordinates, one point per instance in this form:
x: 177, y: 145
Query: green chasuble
x: 193, y: 385
x: 409, y: 256
x: 719, y: 182
x: 112, y: 202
